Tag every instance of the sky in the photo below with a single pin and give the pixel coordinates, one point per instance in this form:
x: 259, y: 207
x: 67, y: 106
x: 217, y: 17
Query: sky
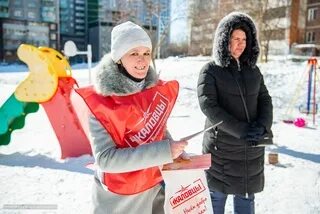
x: 32, y: 171
x: 178, y: 29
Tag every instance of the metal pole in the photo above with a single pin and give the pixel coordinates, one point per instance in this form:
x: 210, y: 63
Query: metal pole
x: 159, y: 24
x: 158, y: 49
x: 89, y: 54
x: 58, y: 26
x: 314, y: 90
x: 309, y: 86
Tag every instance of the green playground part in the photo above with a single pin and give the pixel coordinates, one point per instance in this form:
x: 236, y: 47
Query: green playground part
x: 12, y: 116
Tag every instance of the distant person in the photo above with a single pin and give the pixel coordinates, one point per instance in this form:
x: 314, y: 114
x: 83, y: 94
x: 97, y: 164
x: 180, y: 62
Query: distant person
x: 231, y: 89
x: 130, y: 107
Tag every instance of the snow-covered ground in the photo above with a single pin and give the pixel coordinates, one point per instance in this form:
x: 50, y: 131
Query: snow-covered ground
x: 32, y: 172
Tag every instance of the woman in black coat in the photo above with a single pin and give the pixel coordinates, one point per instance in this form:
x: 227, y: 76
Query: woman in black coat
x: 231, y: 89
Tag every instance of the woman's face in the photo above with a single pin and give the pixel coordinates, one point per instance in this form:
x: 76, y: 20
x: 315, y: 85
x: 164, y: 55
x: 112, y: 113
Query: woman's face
x: 137, y: 62
x: 237, y: 43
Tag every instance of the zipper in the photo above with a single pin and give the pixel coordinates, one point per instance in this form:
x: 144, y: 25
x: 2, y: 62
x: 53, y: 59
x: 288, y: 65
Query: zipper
x: 238, y: 63
x: 245, y: 145
x: 242, y: 79
x: 246, y: 169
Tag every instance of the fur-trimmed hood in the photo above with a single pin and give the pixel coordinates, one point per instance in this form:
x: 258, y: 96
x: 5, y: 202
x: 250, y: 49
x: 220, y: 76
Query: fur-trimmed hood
x: 108, y: 80
x: 221, y: 53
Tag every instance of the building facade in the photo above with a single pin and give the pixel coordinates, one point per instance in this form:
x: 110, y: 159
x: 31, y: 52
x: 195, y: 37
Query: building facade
x: 73, y: 25
x: 280, y: 23
x: 32, y: 22
x: 51, y: 23
x: 103, y: 15
x: 201, y: 25
x: 312, y: 31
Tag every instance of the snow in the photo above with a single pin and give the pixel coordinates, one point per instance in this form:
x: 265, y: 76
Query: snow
x: 32, y: 172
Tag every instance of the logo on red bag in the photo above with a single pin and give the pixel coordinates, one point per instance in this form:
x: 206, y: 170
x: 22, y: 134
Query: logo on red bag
x: 186, y: 193
x: 151, y: 122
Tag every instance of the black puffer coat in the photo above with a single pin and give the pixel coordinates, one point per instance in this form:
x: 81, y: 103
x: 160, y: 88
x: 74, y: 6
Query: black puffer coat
x: 236, y: 167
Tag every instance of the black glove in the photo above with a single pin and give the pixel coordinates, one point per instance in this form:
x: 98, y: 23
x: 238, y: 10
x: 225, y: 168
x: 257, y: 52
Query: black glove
x: 255, y: 134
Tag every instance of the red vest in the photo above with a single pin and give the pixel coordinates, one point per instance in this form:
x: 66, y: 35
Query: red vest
x: 131, y: 121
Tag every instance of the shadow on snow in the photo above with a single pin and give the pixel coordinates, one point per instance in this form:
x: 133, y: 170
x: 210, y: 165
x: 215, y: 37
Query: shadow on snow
x: 70, y: 164
x: 302, y: 155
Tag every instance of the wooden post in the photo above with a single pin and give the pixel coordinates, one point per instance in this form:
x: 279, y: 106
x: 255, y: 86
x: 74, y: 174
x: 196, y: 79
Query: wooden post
x: 273, y: 158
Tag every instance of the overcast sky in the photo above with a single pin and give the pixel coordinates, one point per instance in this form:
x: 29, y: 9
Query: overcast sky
x: 179, y: 21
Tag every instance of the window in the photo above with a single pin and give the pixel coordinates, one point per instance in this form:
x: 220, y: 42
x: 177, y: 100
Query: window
x: 17, y: 13
x: 31, y: 4
x: 79, y: 14
x: 312, y: 14
x: 31, y: 15
x: 4, y: 12
x: 53, y: 36
x: 17, y: 3
x: 48, y: 14
x: 52, y: 26
x: 311, y: 37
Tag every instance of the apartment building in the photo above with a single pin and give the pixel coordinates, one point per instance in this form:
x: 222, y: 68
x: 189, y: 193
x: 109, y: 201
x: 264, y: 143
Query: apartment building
x: 27, y: 21
x: 312, y: 30
x: 51, y: 23
x: 73, y: 25
x: 103, y: 15
x: 280, y: 23
x: 201, y: 25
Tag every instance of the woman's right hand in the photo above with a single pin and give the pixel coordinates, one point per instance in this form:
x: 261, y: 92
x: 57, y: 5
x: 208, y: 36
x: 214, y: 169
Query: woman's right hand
x: 177, y: 148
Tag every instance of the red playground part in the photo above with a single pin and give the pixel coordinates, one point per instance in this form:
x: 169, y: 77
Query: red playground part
x: 65, y: 122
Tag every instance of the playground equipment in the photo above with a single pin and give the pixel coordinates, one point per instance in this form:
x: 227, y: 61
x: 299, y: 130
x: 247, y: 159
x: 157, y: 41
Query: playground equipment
x: 311, y: 106
x: 12, y: 116
x: 50, y: 84
x: 70, y: 49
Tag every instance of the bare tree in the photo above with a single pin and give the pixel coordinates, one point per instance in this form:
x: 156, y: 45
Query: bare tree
x: 156, y: 24
x: 152, y: 15
x: 272, y: 18
x: 155, y: 8
x: 178, y: 49
x: 202, y: 22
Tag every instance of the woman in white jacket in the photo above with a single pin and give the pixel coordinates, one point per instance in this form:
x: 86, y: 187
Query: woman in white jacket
x: 128, y: 136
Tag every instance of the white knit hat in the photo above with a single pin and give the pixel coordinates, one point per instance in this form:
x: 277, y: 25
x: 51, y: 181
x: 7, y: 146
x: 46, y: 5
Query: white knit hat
x: 126, y: 36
